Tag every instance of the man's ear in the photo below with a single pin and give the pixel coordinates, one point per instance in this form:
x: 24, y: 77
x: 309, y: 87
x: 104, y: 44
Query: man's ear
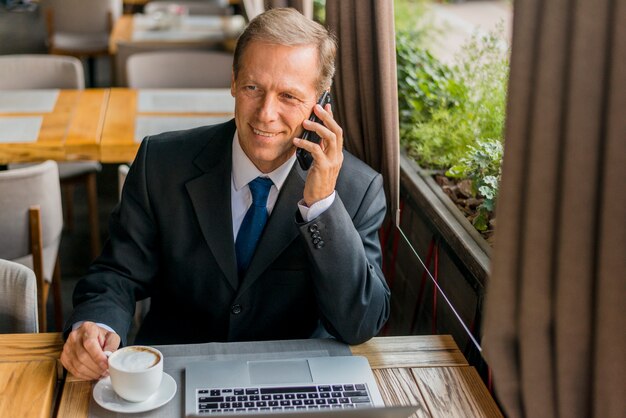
x: 232, y: 83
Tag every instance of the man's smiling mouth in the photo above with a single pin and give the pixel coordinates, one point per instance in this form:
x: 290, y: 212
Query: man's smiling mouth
x: 263, y: 133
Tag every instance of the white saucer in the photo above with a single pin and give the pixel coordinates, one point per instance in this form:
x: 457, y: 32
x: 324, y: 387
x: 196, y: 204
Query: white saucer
x: 104, y: 395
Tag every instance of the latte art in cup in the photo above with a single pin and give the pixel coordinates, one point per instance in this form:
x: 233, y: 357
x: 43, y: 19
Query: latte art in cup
x: 135, y: 359
x: 136, y: 372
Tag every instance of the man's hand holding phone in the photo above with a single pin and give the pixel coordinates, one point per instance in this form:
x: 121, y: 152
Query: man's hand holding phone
x: 327, y: 155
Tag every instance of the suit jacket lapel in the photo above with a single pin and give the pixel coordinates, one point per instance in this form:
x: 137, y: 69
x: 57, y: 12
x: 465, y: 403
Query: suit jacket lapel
x: 210, y: 196
x: 280, y: 230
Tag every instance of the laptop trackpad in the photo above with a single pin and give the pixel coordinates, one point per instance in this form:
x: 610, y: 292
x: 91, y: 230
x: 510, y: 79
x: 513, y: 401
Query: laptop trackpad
x: 281, y: 371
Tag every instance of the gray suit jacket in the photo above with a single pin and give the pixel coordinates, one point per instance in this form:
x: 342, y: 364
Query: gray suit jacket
x: 171, y: 238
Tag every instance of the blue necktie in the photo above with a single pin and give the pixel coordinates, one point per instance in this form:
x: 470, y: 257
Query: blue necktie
x: 253, y: 223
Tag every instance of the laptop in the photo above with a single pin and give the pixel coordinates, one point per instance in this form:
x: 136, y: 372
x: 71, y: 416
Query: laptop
x: 384, y: 412
x: 340, y: 386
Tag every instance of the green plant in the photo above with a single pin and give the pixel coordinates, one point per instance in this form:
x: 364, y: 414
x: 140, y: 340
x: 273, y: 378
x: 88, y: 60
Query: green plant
x: 428, y: 91
x: 452, y: 117
x: 413, y: 15
x: 319, y: 11
x: 482, y: 165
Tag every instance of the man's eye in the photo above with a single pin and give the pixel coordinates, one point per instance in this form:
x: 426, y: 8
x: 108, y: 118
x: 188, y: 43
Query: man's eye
x: 250, y: 88
x: 289, y: 97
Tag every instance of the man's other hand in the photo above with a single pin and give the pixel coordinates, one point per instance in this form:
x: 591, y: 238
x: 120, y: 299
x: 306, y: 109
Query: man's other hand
x: 83, y: 352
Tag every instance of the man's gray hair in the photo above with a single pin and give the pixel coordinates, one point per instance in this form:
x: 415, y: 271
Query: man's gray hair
x: 287, y: 26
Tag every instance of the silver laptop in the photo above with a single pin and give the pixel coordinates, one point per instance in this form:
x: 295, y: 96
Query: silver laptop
x: 300, y: 386
x: 384, y: 412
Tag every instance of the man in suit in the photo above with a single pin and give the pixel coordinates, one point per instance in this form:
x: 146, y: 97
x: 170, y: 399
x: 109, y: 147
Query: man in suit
x: 184, y: 231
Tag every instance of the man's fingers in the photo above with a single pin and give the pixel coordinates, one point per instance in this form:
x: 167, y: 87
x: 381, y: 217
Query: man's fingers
x: 83, y: 353
x: 111, y: 341
x: 95, y: 353
x: 77, y: 361
x: 330, y: 130
x: 326, y: 116
x: 315, y: 149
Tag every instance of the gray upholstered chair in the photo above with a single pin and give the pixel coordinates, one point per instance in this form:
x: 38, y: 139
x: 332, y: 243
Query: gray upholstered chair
x: 18, y: 299
x: 253, y: 8
x: 31, y: 226
x: 46, y: 72
x: 80, y: 28
x: 180, y: 69
x: 125, y: 50
x: 122, y: 172
x: 29, y: 71
x: 205, y: 7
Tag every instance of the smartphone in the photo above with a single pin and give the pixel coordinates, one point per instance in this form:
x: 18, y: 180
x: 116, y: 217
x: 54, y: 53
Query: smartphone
x: 304, y: 157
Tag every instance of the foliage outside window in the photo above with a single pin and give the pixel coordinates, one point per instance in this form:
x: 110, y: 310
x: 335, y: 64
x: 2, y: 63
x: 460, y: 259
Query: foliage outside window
x: 452, y: 115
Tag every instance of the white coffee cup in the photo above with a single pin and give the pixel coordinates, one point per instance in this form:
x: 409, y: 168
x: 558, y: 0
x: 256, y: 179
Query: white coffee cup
x: 136, y: 372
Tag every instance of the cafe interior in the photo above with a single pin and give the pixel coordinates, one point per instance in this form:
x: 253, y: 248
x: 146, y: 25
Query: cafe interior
x: 526, y: 325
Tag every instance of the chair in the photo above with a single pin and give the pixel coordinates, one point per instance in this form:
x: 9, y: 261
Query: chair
x: 253, y: 8
x: 40, y: 72
x: 31, y: 226
x: 122, y: 172
x: 18, y: 299
x: 47, y: 71
x: 127, y: 49
x: 219, y: 7
x: 80, y: 28
x: 180, y: 69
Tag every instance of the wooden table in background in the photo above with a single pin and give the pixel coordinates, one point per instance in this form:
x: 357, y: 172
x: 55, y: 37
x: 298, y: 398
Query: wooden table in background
x: 95, y: 124
x: 71, y: 131
x: 117, y: 144
x: 122, y: 33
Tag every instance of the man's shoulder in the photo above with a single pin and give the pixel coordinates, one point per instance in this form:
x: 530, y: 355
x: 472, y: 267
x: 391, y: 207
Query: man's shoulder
x: 358, y: 184
x: 355, y: 172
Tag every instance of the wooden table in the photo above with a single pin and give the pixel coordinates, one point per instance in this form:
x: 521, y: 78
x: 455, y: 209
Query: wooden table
x: 427, y: 371
x: 100, y: 124
x: 71, y: 131
x: 29, y: 374
x: 118, y: 143
x: 123, y: 30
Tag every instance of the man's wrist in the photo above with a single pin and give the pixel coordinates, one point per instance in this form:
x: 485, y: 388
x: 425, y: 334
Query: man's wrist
x: 77, y: 325
x: 309, y: 213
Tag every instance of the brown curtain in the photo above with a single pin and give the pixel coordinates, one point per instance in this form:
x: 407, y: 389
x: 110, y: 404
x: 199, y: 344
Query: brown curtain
x: 554, y: 322
x: 365, y: 89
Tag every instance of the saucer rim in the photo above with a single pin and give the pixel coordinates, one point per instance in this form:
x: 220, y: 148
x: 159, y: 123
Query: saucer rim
x: 150, y: 403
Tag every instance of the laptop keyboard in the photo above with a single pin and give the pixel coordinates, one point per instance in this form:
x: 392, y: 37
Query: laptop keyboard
x: 272, y: 399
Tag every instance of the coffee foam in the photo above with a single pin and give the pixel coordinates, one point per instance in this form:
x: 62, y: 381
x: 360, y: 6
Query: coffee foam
x: 135, y: 359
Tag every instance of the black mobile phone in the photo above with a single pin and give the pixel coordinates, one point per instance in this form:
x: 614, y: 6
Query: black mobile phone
x: 304, y: 157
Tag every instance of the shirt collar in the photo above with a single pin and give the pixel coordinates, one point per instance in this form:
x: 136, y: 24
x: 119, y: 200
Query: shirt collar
x: 244, y: 170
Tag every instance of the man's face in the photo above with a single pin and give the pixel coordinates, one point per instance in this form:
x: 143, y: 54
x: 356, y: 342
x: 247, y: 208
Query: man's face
x: 274, y: 92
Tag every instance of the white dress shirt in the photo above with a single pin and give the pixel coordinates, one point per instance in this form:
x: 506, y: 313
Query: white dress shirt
x: 244, y: 171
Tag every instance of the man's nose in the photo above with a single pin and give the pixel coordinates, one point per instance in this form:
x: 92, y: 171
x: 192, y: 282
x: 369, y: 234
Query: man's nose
x: 269, y: 107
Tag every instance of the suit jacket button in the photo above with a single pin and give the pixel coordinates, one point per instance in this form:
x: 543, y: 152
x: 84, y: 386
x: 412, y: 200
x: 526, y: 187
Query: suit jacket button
x: 313, y: 228
x: 316, y: 241
x: 235, y: 309
x: 316, y: 235
x: 319, y: 244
